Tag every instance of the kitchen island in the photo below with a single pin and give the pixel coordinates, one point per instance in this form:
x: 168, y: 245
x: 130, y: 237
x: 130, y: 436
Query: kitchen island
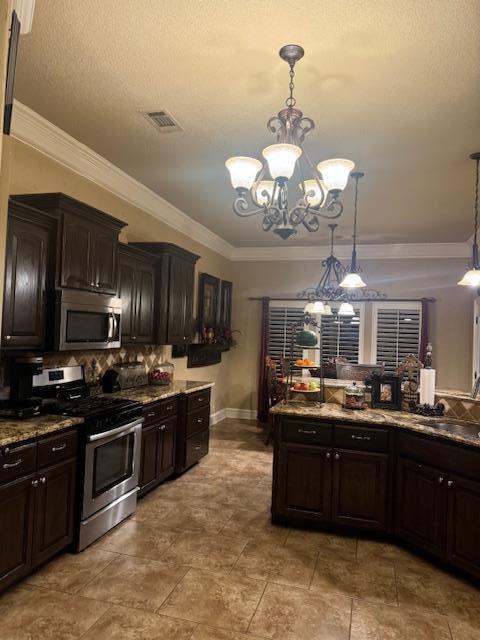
x: 390, y: 473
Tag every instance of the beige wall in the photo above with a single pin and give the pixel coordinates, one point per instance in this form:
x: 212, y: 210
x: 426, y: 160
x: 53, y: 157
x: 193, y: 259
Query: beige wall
x: 33, y: 172
x: 451, y: 321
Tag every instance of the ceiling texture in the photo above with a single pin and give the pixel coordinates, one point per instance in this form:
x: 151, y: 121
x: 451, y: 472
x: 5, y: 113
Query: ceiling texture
x: 395, y: 86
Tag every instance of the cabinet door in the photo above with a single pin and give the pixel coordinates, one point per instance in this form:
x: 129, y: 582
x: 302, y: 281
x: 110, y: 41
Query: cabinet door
x: 176, y: 333
x: 463, y: 524
x: 77, y: 251
x: 104, y: 252
x: 127, y: 292
x: 421, y: 505
x: 167, y: 448
x: 145, y: 297
x: 16, y: 517
x: 54, y: 510
x: 360, y: 489
x: 150, y: 456
x: 24, y: 312
x: 305, y: 481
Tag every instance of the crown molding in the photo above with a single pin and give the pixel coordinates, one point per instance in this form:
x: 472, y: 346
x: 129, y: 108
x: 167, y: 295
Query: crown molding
x: 32, y: 129
x: 446, y: 250
x: 25, y: 10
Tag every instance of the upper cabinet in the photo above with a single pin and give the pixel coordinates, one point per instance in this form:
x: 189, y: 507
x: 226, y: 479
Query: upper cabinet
x: 175, y: 278
x: 136, y: 288
x: 28, y: 275
x: 87, y: 242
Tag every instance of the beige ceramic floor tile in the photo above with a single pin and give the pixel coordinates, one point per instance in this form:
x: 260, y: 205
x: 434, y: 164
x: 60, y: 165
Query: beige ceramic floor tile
x: 138, y: 539
x: 72, y: 571
x: 296, y: 614
x: 464, y: 631
x: 203, y: 632
x: 216, y: 600
x: 321, y: 541
x: 211, y: 552
x: 277, y: 563
x: 385, y: 622
x: 120, y: 623
x: 28, y: 613
x: 254, y: 525
x: 135, y: 582
x: 197, y: 515
x: 367, y: 580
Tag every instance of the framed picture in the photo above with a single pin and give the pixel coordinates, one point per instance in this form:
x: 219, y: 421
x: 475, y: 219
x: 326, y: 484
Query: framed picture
x: 386, y: 392
x: 208, y: 307
x: 226, y: 306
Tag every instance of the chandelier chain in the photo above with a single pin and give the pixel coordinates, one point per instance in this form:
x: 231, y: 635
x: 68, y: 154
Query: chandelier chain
x: 290, y: 101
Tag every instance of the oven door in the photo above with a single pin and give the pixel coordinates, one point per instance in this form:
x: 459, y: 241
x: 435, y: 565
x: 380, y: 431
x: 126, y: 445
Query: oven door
x: 112, y: 462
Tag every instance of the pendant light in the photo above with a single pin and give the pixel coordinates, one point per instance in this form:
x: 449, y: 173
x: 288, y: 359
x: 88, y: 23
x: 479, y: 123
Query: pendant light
x: 352, y: 279
x: 472, y: 277
x: 346, y: 309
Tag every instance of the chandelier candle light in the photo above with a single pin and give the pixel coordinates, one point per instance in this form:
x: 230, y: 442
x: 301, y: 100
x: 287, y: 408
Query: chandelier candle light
x: 472, y: 277
x: 262, y: 188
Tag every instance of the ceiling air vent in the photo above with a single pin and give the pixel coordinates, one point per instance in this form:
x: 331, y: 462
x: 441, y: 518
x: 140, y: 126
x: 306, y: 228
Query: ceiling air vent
x: 162, y: 120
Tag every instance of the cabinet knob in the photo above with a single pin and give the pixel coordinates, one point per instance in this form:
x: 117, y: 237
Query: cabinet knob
x: 440, y: 479
x: 92, y: 284
x: 43, y: 480
x: 134, y: 337
x: 35, y: 483
x: 328, y: 456
x: 450, y: 483
x: 337, y: 456
x: 7, y: 337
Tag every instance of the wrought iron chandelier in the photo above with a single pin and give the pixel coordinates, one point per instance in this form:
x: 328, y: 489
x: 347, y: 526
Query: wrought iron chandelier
x: 472, y: 276
x: 263, y: 188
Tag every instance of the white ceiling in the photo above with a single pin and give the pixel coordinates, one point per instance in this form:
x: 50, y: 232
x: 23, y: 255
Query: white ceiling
x: 393, y: 86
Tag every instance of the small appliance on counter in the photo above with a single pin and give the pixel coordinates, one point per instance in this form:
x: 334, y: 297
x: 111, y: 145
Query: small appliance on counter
x: 162, y: 375
x: 124, y: 375
x: 354, y: 396
x: 22, y: 403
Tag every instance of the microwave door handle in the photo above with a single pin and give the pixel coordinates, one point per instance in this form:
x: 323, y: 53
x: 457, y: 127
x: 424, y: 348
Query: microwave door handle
x: 115, y: 326
x: 111, y: 327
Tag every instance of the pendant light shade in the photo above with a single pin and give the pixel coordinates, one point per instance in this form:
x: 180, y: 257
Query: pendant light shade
x: 346, y: 309
x: 472, y: 277
x: 282, y: 159
x: 352, y: 281
x: 335, y: 173
x: 243, y: 171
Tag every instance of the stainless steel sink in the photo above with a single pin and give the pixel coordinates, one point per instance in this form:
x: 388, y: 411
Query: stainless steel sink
x: 466, y: 429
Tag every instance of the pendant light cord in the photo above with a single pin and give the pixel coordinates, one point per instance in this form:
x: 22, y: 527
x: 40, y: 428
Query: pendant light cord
x: 475, y: 245
x: 355, y: 216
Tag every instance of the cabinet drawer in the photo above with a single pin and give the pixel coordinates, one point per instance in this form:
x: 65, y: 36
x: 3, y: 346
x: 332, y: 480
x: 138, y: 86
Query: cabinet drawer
x: 17, y: 461
x: 363, y: 438
x: 159, y: 410
x: 306, y: 432
x: 57, y: 448
x: 198, y: 420
x: 196, y: 448
x: 199, y: 399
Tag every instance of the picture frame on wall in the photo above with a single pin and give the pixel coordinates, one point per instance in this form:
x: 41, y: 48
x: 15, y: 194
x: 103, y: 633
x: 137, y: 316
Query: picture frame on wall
x: 226, y: 290
x: 386, y: 392
x: 208, y: 306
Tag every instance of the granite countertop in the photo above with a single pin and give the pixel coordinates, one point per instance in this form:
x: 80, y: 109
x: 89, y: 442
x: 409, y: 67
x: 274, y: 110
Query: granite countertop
x: 153, y: 393
x: 380, y: 417
x: 12, y: 431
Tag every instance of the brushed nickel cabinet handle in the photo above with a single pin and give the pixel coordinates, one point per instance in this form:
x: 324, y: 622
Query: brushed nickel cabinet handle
x: 11, y: 465
x: 450, y: 483
x: 199, y: 420
x: 328, y: 456
x: 337, y: 456
x: 60, y: 447
x: 43, y: 480
x: 308, y: 431
x: 354, y: 437
x: 169, y: 407
x: 150, y: 415
x: 35, y: 483
x: 440, y: 479
x: 198, y: 447
x: 7, y: 337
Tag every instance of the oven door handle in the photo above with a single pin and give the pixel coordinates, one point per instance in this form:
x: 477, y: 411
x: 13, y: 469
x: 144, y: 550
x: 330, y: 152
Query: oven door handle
x: 124, y: 429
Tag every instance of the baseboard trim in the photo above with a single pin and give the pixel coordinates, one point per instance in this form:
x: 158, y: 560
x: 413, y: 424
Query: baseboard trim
x: 241, y: 414
x: 218, y: 416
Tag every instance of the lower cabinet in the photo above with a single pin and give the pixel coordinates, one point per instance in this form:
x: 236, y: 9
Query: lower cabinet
x: 158, y: 454
x: 463, y: 528
x: 193, y: 431
x: 36, y: 509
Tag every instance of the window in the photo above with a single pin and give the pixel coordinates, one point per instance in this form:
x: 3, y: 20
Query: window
x: 396, y: 332
x: 342, y: 335
x: 280, y: 325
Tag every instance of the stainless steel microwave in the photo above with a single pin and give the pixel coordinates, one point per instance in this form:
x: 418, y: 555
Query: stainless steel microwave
x: 85, y: 320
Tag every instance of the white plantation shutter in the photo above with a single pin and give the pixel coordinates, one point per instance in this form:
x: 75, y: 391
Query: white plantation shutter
x: 398, y: 330
x: 280, y: 323
x: 341, y: 336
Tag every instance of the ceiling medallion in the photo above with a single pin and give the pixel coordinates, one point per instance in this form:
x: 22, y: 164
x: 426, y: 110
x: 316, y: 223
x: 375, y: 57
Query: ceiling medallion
x: 263, y: 187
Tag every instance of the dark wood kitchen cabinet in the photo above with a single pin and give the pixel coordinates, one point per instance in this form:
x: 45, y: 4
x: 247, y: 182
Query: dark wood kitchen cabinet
x: 37, y: 497
x: 175, y: 278
x: 86, y: 243
x: 193, y: 429
x: 463, y: 523
x: 29, y: 271
x: 136, y: 288
x: 157, y: 460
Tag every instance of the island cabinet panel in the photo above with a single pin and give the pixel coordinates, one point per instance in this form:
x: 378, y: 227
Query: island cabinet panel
x: 16, y: 521
x: 463, y: 528
x: 305, y: 481
x: 360, y: 489
x: 28, y: 275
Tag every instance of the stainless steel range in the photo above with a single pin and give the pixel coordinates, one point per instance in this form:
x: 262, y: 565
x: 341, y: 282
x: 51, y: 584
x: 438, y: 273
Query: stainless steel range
x: 109, y: 456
